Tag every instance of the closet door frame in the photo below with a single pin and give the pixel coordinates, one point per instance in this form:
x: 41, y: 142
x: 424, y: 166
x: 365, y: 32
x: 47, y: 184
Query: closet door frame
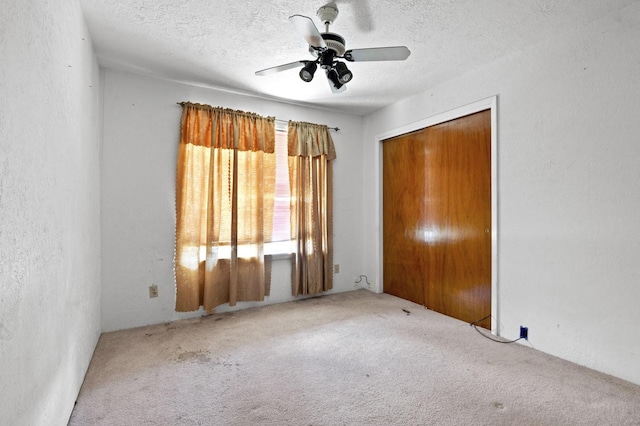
x: 490, y: 103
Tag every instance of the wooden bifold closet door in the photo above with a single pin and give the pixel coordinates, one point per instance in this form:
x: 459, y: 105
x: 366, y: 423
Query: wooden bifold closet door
x: 437, y: 217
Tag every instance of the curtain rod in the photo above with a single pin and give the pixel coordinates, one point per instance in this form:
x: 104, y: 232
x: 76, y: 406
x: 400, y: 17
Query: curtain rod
x: 337, y: 129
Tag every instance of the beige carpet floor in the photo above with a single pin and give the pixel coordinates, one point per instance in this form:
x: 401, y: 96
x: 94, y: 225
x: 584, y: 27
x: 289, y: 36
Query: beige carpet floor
x: 354, y: 358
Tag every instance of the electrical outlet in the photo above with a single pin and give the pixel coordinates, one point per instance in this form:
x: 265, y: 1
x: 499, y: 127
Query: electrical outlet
x: 153, y: 290
x: 524, y: 333
x: 336, y: 268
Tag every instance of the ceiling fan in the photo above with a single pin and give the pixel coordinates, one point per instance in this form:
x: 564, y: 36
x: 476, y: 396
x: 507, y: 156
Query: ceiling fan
x: 328, y: 47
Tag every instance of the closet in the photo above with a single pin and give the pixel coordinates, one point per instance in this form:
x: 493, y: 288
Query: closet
x: 437, y: 217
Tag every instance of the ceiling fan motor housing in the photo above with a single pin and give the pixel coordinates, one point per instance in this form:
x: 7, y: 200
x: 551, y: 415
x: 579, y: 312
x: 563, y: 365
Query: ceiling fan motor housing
x: 334, y: 42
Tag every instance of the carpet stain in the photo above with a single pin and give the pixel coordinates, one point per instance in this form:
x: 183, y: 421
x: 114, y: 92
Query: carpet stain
x: 197, y: 356
x: 226, y: 363
x: 498, y: 405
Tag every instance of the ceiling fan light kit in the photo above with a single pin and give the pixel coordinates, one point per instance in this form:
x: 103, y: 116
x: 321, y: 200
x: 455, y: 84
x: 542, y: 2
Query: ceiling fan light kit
x: 344, y: 75
x: 328, y: 47
x: 308, y: 70
x: 334, y: 80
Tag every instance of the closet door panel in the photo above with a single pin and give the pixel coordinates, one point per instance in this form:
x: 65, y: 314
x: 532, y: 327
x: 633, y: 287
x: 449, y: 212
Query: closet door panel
x: 437, y: 217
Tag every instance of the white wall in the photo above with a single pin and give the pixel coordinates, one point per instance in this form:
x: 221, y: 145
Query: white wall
x: 141, y: 131
x: 568, y: 188
x: 50, y: 212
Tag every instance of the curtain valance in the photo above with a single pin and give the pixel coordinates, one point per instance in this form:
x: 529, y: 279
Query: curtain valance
x: 310, y: 140
x: 226, y: 128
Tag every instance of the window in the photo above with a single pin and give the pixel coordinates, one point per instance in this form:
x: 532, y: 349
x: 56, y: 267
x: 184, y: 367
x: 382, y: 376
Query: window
x: 281, y: 238
x: 281, y: 234
x: 281, y: 227
x: 229, y: 165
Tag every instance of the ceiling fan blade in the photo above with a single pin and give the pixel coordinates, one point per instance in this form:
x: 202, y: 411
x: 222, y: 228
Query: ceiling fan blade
x: 284, y: 67
x: 396, y: 53
x: 307, y: 29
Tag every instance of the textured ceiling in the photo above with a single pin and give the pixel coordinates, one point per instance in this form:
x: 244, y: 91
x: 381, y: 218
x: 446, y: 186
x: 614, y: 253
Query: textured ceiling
x: 222, y: 43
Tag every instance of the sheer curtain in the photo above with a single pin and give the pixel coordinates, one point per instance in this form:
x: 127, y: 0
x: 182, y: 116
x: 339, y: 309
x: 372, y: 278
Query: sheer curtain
x: 311, y: 151
x: 224, y: 207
